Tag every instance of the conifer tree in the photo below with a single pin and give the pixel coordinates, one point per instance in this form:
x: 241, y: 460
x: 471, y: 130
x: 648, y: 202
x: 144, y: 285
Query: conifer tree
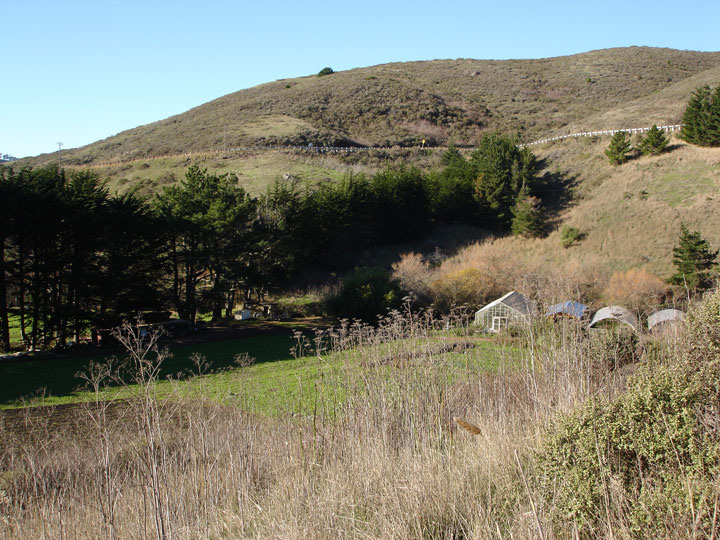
x: 619, y: 148
x: 701, y: 120
x: 694, y: 261
x: 654, y: 143
x: 529, y: 218
x: 502, y: 171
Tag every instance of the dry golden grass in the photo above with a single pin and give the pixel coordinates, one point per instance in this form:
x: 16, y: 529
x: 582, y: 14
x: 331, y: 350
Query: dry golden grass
x: 386, y: 461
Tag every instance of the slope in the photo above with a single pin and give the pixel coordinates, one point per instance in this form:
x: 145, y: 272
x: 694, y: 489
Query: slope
x: 403, y: 103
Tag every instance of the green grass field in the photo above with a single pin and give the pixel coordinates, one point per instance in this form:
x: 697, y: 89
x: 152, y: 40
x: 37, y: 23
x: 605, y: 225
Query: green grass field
x: 53, y: 380
x: 276, y: 383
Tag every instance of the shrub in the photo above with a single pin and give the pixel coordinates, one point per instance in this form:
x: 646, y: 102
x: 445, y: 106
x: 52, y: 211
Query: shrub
x: 413, y: 273
x: 364, y: 294
x: 569, y: 235
x: 648, y: 459
x: 471, y: 287
x: 325, y: 71
x: 613, y: 348
x: 634, y: 288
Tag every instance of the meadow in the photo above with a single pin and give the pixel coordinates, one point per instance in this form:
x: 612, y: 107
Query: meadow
x: 418, y: 428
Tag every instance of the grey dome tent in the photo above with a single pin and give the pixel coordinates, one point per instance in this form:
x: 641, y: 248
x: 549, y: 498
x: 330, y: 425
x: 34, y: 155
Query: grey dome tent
x: 614, y: 313
x: 665, y: 319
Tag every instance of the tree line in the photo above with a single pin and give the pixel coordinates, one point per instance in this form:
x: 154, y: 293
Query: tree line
x: 75, y: 257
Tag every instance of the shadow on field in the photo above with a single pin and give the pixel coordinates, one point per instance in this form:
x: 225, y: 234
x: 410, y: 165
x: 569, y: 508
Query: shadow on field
x: 57, y: 376
x: 556, y: 191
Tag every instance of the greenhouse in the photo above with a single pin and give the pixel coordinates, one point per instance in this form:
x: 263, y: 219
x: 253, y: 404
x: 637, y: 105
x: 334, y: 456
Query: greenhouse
x: 499, y: 314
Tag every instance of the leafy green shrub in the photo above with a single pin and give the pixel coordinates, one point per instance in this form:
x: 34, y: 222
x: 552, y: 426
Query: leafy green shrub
x: 569, y: 235
x: 471, y: 287
x: 364, y: 294
x: 325, y: 71
x: 648, y: 460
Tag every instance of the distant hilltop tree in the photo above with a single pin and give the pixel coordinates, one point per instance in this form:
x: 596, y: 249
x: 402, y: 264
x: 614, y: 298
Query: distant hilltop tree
x: 325, y: 71
x: 4, y: 158
x: 701, y: 120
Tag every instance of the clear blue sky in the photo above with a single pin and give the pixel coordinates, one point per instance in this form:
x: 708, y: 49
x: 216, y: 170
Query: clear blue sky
x: 78, y: 71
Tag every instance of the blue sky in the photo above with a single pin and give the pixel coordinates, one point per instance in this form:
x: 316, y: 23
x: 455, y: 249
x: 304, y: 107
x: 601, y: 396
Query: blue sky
x: 79, y: 71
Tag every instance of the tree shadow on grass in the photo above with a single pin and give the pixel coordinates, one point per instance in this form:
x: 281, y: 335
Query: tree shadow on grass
x: 57, y: 375
x: 556, y: 190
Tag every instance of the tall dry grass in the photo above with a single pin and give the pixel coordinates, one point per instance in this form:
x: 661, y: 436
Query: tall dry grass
x: 375, y: 455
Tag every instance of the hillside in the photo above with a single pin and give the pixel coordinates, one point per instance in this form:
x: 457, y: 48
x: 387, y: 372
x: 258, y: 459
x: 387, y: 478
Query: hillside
x: 403, y: 103
x: 627, y: 88
x: 629, y: 217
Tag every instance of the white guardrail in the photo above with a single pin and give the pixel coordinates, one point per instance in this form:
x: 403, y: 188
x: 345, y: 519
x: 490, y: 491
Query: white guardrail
x: 351, y: 149
x: 676, y: 127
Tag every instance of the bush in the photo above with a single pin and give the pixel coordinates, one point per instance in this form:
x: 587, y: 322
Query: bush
x: 325, y: 71
x: 364, y: 294
x: 569, y: 235
x: 471, y: 287
x: 635, y: 288
x: 648, y: 459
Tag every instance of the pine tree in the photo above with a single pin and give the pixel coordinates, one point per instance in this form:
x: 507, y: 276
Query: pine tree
x: 654, y: 143
x: 529, y: 218
x: 619, y: 148
x: 694, y: 261
x: 701, y: 120
x: 502, y: 171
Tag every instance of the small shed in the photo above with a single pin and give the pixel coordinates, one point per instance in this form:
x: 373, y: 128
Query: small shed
x: 498, y: 314
x: 569, y: 308
x: 612, y: 315
x: 665, y: 320
x: 243, y: 315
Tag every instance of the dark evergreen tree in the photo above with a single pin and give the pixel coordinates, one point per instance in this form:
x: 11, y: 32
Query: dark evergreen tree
x: 654, y: 142
x: 619, y: 148
x: 529, y: 218
x: 207, y: 219
x: 502, y: 171
x: 452, y: 156
x: 694, y: 261
x: 401, y: 204
x: 701, y: 120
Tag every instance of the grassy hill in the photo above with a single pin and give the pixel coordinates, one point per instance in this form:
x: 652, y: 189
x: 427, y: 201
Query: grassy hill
x: 403, y: 103
x: 629, y: 217
x: 457, y: 100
